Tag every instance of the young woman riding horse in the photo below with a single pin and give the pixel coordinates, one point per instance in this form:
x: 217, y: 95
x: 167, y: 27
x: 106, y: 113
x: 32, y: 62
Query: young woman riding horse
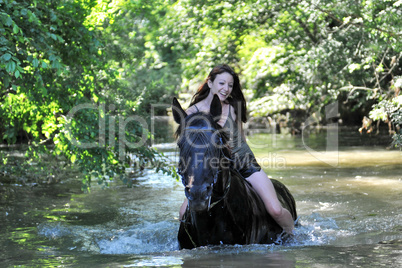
x: 224, y: 83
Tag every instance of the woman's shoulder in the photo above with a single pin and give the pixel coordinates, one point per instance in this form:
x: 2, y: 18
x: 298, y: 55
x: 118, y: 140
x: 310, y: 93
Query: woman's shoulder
x: 198, y: 107
x: 193, y: 109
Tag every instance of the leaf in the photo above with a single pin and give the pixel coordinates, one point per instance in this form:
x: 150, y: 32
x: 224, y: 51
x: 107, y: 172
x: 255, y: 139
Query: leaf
x: 60, y: 38
x: 9, y: 21
x: 6, y: 56
x: 16, y: 29
x: 44, y: 91
x: 10, y: 66
x: 35, y: 63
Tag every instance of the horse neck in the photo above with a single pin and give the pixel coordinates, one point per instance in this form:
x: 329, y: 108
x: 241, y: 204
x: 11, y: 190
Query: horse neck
x: 223, y: 179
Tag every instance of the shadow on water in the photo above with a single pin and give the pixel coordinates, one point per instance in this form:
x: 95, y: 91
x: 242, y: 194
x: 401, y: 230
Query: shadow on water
x: 350, y: 215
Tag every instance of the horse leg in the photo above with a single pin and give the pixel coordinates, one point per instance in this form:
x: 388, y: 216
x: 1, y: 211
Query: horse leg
x: 186, y: 235
x: 194, y: 230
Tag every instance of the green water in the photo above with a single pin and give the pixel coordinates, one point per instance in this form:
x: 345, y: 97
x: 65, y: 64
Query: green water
x: 350, y: 214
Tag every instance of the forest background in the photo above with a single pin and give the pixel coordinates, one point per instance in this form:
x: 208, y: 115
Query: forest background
x: 118, y: 59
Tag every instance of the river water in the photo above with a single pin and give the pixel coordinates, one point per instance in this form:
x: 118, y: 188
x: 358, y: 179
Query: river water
x: 348, y: 198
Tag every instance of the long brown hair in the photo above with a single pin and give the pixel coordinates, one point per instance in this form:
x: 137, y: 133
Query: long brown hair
x: 236, y: 98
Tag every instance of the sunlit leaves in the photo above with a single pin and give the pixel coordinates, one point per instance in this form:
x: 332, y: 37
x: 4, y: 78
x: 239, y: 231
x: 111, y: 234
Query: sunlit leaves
x: 330, y: 50
x: 134, y: 54
x: 52, y: 60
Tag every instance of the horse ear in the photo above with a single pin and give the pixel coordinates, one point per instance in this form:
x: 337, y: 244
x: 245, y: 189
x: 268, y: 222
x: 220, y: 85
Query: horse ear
x: 178, y: 113
x: 216, y: 108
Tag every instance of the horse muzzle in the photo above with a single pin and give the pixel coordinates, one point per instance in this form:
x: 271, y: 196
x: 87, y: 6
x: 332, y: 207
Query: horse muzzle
x: 198, y: 206
x: 199, y: 198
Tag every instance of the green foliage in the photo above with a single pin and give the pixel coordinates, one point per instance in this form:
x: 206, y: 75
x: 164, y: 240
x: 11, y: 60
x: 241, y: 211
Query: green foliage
x: 147, y: 71
x: 293, y: 54
x: 118, y: 60
x: 53, y: 60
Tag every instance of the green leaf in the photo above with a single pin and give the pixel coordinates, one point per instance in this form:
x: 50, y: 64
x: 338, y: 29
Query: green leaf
x: 6, y: 56
x: 60, y: 38
x: 10, y: 66
x: 35, y: 63
x: 16, y: 28
x: 9, y: 21
x: 44, y: 91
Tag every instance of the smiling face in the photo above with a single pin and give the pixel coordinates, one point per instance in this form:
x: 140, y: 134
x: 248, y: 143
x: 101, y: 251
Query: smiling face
x: 221, y: 86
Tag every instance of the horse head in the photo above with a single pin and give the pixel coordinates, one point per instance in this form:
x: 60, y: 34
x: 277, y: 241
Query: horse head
x: 200, y: 140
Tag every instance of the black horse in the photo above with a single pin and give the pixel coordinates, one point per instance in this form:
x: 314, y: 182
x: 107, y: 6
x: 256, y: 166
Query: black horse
x: 223, y: 207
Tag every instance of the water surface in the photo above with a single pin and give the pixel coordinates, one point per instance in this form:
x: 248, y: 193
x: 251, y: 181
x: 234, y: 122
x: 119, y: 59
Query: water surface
x: 350, y: 214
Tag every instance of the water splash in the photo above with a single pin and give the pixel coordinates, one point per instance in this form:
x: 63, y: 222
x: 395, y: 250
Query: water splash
x: 315, y: 230
x: 149, y: 237
x: 141, y: 239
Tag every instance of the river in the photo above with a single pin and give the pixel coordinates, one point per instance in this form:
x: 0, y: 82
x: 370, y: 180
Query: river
x: 348, y: 199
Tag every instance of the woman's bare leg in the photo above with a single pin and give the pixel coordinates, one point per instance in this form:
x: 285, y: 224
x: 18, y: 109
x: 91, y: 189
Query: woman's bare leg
x: 264, y: 187
x: 183, y: 209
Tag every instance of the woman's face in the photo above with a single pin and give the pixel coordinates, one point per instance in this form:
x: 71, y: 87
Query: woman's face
x: 221, y: 86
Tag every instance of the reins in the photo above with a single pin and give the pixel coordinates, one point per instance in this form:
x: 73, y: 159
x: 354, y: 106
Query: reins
x: 225, y: 192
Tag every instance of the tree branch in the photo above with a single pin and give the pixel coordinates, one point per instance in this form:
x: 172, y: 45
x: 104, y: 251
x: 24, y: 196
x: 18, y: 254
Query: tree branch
x: 356, y: 24
x: 307, y: 31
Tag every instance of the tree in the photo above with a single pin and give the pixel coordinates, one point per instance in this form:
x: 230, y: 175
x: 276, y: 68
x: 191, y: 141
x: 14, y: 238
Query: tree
x: 294, y: 54
x: 53, y: 63
x: 117, y: 59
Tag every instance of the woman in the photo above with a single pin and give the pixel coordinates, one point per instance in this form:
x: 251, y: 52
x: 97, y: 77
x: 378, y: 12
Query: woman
x: 224, y: 82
